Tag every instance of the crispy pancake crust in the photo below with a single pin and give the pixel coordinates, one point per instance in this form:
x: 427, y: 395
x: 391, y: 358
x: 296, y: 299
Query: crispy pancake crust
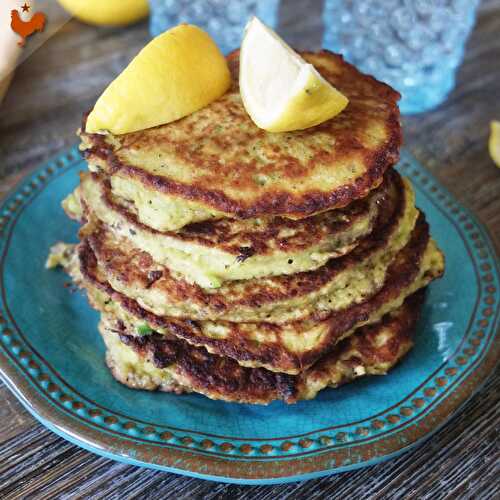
x: 294, y: 346
x: 218, y: 159
x: 233, y: 249
x: 278, y: 299
x: 166, y: 363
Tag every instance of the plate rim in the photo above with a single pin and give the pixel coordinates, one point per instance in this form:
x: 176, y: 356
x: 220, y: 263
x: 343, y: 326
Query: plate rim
x: 66, y: 433
x: 256, y: 468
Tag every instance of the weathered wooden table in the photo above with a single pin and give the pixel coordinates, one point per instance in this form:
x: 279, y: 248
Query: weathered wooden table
x: 38, y: 119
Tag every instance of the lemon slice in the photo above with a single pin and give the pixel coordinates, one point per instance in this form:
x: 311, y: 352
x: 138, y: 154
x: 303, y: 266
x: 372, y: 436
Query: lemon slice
x: 494, y: 142
x: 280, y: 90
x: 176, y: 74
x: 107, y: 12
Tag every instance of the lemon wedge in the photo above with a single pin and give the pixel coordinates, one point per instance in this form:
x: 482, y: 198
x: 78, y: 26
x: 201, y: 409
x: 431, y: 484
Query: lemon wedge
x: 177, y: 73
x: 494, y: 142
x: 280, y: 90
x: 107, y: 12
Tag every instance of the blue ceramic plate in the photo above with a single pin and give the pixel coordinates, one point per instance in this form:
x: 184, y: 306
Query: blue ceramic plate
x: 52, y: 358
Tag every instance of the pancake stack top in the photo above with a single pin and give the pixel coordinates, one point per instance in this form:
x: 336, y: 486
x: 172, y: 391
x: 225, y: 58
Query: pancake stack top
x: 249, y: 266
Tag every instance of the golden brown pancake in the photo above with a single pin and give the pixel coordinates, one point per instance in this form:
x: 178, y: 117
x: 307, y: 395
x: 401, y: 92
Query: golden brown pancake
x: 217, y: 163
x: 211, y: 252
x: 288, y: 348
x: 277, y: 299
x: 160, y: 362
x: 251, y: 266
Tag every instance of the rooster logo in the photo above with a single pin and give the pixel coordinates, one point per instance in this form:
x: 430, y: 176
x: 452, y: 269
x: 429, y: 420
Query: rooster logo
x: 26, y: 28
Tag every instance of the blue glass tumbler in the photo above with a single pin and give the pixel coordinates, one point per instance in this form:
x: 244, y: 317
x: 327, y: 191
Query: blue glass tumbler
x: 224, y: 20
x: 413, y: 45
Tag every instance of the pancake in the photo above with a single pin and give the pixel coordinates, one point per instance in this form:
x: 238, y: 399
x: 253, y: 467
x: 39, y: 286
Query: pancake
x: 278, y: 299
x: 217, y: 163
x: 159, y: 362
x: 212, y: 252
x: 288, y: 348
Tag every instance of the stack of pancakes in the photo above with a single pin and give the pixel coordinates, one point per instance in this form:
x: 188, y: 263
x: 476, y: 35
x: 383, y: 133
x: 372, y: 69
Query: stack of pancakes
x: 250, y: 266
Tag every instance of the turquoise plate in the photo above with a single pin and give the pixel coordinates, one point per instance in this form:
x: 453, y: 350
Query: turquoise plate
x: 52, y: 358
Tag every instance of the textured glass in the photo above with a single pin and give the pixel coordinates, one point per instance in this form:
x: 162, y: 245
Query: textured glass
x: 223, y: 19
x: 414, y: 45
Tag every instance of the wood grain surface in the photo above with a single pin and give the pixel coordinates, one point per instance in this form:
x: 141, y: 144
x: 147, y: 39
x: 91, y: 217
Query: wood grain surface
x: 38, y: 119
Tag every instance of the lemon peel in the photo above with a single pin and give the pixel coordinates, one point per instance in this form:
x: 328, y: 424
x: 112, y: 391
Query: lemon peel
x: 107, y: 12
x: 494, y: 142
x: 176, y: 74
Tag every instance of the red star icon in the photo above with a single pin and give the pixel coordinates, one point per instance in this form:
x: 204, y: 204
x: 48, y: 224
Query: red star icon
x: 26, y: 8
